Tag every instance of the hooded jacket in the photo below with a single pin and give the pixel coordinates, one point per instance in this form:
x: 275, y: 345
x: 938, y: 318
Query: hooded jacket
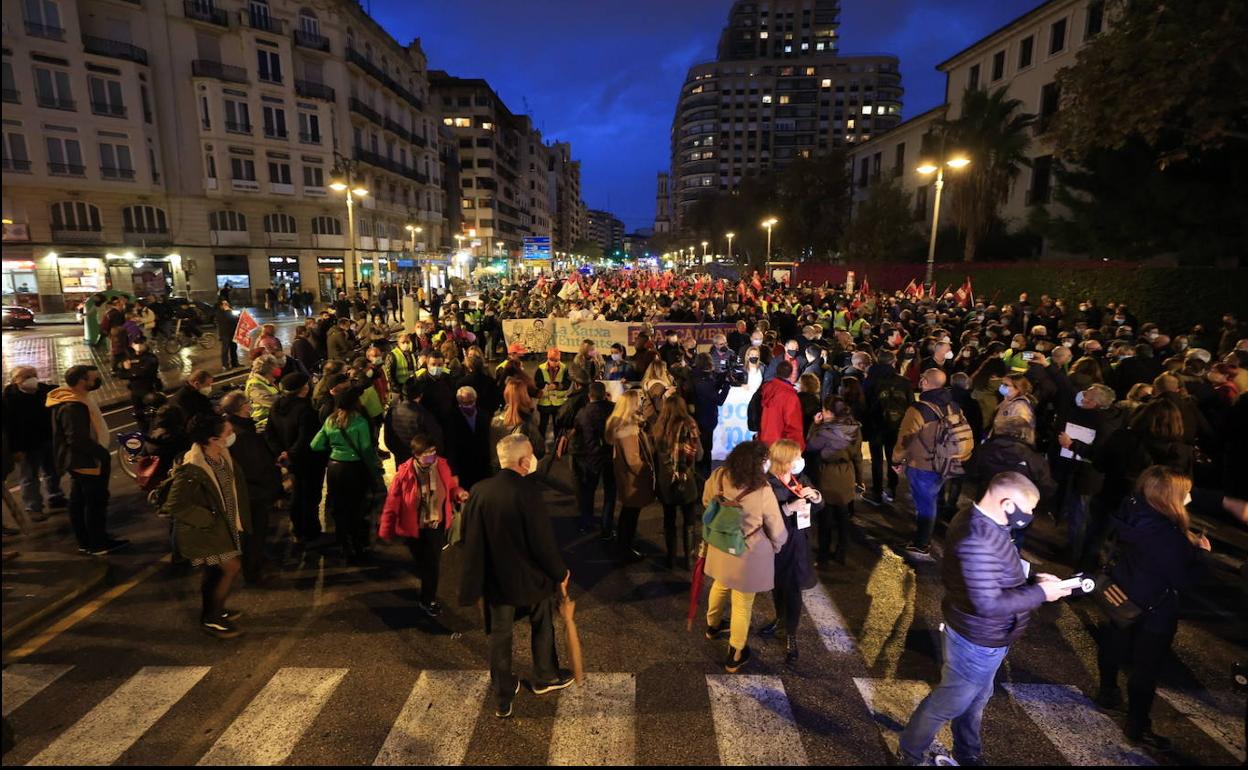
x: 1155, y: 563
x: 782, y: 413
x: 839, y: 448
x: 79, y: 433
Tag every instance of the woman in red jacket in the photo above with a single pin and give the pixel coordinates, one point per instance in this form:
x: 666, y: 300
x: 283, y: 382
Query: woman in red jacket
x: 420, y: 509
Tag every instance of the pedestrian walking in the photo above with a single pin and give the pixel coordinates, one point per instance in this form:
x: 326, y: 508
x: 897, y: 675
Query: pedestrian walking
x: 28, y: 435
x: 263, y: 482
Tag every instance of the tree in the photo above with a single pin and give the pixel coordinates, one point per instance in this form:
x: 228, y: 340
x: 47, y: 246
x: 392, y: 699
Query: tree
x: 1172, y: 75
x: 813, y: 195
x: 882, y: 228
x: 994, y: 135
x: 589, y: 249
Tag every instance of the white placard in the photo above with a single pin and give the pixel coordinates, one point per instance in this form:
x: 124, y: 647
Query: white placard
x: 1078, y: 433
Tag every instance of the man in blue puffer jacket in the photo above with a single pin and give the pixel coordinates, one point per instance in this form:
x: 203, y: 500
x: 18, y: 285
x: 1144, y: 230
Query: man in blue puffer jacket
x: 988, y: 601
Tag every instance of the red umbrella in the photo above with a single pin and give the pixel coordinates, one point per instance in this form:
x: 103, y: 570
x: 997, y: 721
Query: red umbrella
x: 695, y: 586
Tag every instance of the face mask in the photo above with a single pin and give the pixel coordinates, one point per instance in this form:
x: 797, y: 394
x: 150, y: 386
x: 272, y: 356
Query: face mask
x: 721, y: 348
x: 798, y: 466
x: 433, y: 370
x: 427, y: 460
x: 206, y: 390
x: 277, y: 372
x: 766, y: 465
x: 948, y: 354
x: 756, y: 341
x: 229, y: 440
x: 791, y: 351
x: 1079, y: 400
x: 1004, y: 390
x: 753, y: 359
x: 617, y: 357
x: 28, y: 385
x: 468, y: 411
x: 1018, y: 519
x: 532, y: 464
x: 1068, y: 343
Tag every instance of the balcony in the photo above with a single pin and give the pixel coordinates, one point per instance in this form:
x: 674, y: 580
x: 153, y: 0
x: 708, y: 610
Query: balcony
x: 111, y: 110
x: 12, y: 96
x: 271, y: 132
x: 198, y: 10
x: 55, y: 102
x: 125, y: 174
x: 361, y: 108
x: 207, y: 68
x: 130, y: 238
x: 358, y: 59
x: 307, y: 138
x: 393, y: 127
x: 394, y: 167
x: 311, y: 90
x: 19, y: 165
x: 114, y: 48
x: 63, y: 234
x: 44, y: 31
x: 311, y: 40
x: 234, y: 127
x: 245, y: 185
x: 261, y: 21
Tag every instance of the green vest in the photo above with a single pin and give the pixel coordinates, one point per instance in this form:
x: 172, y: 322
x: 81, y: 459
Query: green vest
x: 401, y: 372
x: 259, y: 412
x: 841, y: 320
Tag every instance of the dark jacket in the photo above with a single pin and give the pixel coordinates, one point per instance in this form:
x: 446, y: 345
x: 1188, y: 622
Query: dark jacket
x: 510, y: 553
x: 489, y: 397
x: 793, y: 565
x: 73, y: 441
x: 292, y: 424
x: 253, y: 453
x: 1155, y: 563
x: 709, y: 394
x: 226, y: 322
x: 1088, y: 479
x: 143, y: 373
x: 27, y: 419
x: 988, y: 599
x: 191, y: 402
x: 1130, y: 371
x: 404, y: 421
x: 1006, y: 453
x: 588, y: 445
x: 468, y: 447
x: 1128, y: 452
x: 971, y: 410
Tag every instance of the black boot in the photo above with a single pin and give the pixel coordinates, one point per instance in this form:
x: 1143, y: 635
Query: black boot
x: 790, y: 650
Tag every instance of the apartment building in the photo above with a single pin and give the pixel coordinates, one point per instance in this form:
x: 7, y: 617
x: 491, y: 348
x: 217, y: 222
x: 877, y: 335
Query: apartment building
x: 779, y: 90
x: 505, y: 169
x: 565, y: 203
x: 1024, y: 57
x: 164, y: 145
x: 604, y: 229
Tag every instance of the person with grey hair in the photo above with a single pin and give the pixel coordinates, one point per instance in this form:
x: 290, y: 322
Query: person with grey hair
x: 512, y: 564
x: 264, y: 480
x: 28, y: 434
x: 1086, y: 520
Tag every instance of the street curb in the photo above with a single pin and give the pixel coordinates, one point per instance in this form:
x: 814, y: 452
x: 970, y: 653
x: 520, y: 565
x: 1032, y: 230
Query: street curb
x: 99, y: 577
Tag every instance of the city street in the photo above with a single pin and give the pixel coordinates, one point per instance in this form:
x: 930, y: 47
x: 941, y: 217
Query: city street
x: 337, y: 667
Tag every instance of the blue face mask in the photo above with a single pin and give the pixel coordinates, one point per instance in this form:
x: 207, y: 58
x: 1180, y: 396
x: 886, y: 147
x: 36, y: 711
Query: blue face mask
x: 1004, y: 390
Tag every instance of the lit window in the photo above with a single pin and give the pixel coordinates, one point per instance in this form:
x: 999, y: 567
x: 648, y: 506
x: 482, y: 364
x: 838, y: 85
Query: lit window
x: 784, y: 98
x: 762, y: 35
x: 448, y: 121
x: 788, y: 49
x: 866, y: 109
x: 827, y: 83
x: 487, y: 125
x: 766, y: 98
x: 818, y: 46
x: 849, y: 123
x: 463, y: 122
x: 806, y: 47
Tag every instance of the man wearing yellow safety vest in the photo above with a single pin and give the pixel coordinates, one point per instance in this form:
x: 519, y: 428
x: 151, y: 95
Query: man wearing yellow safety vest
x: 552, y: 384
x: 400, y: 364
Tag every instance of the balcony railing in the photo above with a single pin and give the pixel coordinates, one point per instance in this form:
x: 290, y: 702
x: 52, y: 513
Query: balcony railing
x: 395, y: 128
x: 312, y: 40
x: 373, y: 159
x: 237, y: 128
x: 207, y: 68
x: 419, y: 141
x: 63, y: 234
x: 307, y: 138
x: 55, y: 102
x: 310, y: 90
x: 261, y: 21
x: 14, y: 164
x: 151, y: 238
x: 361, y: 108
x: 205, y: 12
x: 108, y: 172
x: 275, y: 133
x: 111, y: 110
x: 359, y: 60
x: 43, y: 30
x: 114, y: 48
x: 12, y: 96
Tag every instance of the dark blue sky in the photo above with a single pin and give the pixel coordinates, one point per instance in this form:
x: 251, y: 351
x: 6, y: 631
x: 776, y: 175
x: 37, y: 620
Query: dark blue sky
x: 604, y: 74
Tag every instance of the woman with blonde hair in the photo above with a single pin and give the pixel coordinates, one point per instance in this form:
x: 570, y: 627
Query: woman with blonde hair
x: 518, y: 415
x: 1158, y: 559
x: 799, y: 502
x: 655, y: 385
x: 632, y: 458
x: 1015, y: 390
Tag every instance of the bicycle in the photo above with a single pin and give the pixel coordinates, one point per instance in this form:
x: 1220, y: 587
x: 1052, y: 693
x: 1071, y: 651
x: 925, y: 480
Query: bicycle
x: 179, y: 339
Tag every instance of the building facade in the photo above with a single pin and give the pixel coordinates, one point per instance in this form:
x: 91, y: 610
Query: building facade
x: 184, y: 146
x: 564, y: 184
x: 1024, y: 57
x: 663, y: 204
x: 778, y: 90
x: 604, y: 229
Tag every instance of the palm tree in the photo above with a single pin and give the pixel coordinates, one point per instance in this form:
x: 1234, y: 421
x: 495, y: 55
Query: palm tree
x: 995, y: 137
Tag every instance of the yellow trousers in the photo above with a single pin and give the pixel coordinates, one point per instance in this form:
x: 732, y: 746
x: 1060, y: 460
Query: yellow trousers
x: 742, y: 608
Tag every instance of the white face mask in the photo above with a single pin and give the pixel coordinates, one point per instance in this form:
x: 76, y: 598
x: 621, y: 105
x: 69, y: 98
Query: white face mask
x: 948, y: 354
x: 229, y: 440
x: 1079, y: 400
x: 798, y: 466
x: 766, y: 465
x: 532, y: 464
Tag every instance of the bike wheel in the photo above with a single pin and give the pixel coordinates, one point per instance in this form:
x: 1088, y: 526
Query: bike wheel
x: 127, y: 462
x: 208, y: 341
x: 172, y: 345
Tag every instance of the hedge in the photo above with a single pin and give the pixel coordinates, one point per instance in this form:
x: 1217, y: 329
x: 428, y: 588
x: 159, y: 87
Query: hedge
x: 1175, y: 297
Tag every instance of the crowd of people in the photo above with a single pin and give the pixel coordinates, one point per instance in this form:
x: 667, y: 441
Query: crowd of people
x: 1113, y: 426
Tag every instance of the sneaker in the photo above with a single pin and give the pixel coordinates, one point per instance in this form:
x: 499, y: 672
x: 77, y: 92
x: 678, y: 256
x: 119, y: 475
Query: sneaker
x: 503, y: 711
x: 888, y: 496
x: 717, y: 632
x: 220, y: 628
x: 734, y: 664
x: 919, y: 550
x: 231, y: 614
x: 432, y: 609
x: 563, y: 680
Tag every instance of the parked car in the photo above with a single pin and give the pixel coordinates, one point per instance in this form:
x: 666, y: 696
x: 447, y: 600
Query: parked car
x: 18, y: 317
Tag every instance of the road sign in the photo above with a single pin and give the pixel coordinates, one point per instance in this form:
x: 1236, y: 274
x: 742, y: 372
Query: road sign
x: 537, y: 247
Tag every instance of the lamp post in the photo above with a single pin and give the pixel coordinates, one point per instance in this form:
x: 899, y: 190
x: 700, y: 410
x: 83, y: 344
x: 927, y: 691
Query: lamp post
x: 730, y: 237
x: 704, y: 245
x: 412, y: 231
x: 927, y: 167
x: 342, y: 180
x: 769, y: 223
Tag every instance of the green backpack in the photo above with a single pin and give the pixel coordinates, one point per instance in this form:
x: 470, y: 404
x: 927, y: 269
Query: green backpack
x: 721, y: 526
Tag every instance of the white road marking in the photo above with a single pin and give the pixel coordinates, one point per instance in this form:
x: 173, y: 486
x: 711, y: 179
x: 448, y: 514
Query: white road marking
x: 596, y: 722
x: 23, y: 681
x: 891, y: 702
x: 1222, y: 719
x: 1075, y: 726
x: 104, y: 734
x: 828, y: 620
x: 268, y: 729
x: 754, y: 722
x: 437, y: 720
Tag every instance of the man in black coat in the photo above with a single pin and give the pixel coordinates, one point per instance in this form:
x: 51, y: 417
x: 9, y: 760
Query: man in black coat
x: 591, y: 459
x: 409, y: 418
x: 489, y: 397
x: 468, y: 443
x: 292, y: 424
x: 264, y: 480
x: 192, y: 397
x: 227, y: 324
x: 709, y: 393
x: 513, y: 564
x: 28, y: 431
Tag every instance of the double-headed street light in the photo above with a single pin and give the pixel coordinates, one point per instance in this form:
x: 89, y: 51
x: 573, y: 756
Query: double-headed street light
x: 730, y: 236
x: 927, y: 166
x: 769, y: 223
x: 341, y: 179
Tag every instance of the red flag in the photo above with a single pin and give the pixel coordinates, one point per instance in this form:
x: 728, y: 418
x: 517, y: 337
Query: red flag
x: 911, y: 290
x: 964, y: 294
x: 756, y: 283
x: 865, y: 289
x: 246, y: 327
x: 931, y: 291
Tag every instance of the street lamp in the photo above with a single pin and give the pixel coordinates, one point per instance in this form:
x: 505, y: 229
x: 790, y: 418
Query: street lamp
x: 342, y: 180
x: 730, y: 236
x: 704, y: 245
x: 769, y: 223
x: 412, y: 231
x: 927, y: 166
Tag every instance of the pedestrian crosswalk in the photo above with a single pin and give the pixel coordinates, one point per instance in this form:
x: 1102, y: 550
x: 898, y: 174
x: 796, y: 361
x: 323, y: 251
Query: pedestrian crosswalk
x: 754, y: 718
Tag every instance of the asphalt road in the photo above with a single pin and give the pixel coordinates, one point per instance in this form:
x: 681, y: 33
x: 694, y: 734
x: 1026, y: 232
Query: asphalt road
x: 337, y: 667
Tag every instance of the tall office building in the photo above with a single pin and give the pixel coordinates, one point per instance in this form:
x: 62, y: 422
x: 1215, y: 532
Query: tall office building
x: 604, y: 229
x: 564, y: 186
x: 779, y: 89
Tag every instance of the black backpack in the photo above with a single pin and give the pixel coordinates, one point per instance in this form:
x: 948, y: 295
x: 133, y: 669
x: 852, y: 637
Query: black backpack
x: 893, y: 397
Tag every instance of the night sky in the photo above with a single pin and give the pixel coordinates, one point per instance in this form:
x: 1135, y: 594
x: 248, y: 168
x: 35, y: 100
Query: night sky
x: 605, y: 74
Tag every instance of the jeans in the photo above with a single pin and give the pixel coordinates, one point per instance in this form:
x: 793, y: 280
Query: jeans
x: 881, y: 444
x: 924, y: 488
x: 88, y: 507
x: 742, y: 609
x: 587, y: 480
x: 1142, y: 652
x: 426, y: 550
x: 965, y: 686
x: 36, y: 461
x: 542, y: 632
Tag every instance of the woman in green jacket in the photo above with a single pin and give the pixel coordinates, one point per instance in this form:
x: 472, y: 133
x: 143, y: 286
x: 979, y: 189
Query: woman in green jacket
x: 354, y: 471
x: 208, y: 503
